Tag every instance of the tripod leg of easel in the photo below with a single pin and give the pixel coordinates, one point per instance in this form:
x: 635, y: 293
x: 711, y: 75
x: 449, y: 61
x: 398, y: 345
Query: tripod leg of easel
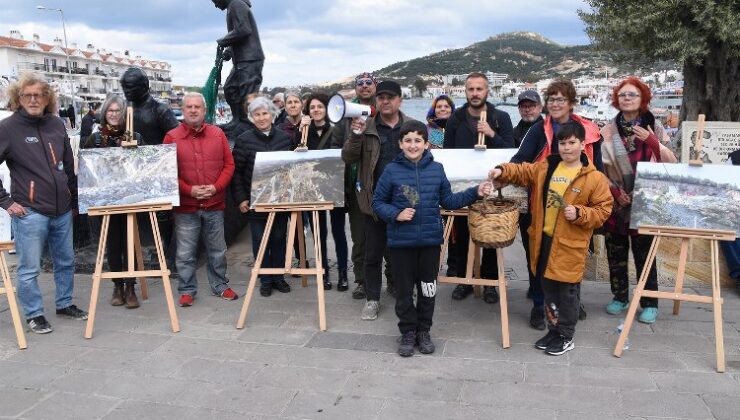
x: 302, y: 249
x: 680, y: 273
x: 12, y: 303
x: 717, y: 307
x: 140, y: 261
x: 291, y: 241
x: 503, y: 296
x: 96, y: 276
x: 319, y: 269
x: 475, y: 260
x: 446, y: 239
x: 255, y: 270
x: 636, y: 297
x: 165, y: 272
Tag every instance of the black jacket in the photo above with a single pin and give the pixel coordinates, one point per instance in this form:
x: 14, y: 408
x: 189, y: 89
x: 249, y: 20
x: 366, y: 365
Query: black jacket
x: 153, y: 120
x: 86, y: 126
x: 521, y: 130
x: 41, y: 164
x: 535, y: 140
x: 458, y: 134
x: 245, y: 150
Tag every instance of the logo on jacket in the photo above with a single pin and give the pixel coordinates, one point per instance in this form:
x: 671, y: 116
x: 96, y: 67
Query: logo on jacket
x: 32, y: 140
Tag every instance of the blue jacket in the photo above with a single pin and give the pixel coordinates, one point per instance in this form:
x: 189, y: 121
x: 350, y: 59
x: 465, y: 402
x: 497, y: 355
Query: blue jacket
x: 400, y: 181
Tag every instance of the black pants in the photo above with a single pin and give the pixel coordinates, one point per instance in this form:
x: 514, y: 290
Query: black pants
x: 562, y: 300
x: 525, y: 220
x: 375, y: 250
x: 116, y: 247
x: 489, y: 263
x: 617, y: 252
x: 415, y: 267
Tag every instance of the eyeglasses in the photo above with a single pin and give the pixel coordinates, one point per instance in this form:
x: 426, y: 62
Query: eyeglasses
x: 113, y: 111
x: 630, y: 95
x: 366, y: 82
x: 34, y: 96
x: 276, y: 101
x: 559, y: 101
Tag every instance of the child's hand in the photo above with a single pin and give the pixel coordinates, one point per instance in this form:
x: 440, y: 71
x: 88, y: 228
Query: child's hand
x: 494, y: 173
x: 406, y: 215
x: 485, y: 189
x: 570, y: 213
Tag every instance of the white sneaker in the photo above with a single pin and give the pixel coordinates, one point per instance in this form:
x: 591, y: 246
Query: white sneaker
x: 370, y: 311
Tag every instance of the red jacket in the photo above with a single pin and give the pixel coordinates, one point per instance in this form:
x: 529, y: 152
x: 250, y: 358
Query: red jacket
x: 203, y: 158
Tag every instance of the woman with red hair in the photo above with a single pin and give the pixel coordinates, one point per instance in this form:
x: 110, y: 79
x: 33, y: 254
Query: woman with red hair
x: 631, y: 137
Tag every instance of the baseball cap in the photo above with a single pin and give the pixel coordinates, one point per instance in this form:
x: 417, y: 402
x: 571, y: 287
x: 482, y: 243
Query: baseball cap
x: 388, y: 86
x: 529, y: 95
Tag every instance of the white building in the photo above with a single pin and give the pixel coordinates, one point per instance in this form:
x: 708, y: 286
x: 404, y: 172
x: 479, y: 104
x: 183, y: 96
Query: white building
x: 95, y: 72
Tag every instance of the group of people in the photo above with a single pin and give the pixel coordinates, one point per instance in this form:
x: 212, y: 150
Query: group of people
x: 393, y: 190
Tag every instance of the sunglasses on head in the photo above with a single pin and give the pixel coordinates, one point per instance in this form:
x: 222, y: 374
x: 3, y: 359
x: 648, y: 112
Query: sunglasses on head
x: 366, y: 82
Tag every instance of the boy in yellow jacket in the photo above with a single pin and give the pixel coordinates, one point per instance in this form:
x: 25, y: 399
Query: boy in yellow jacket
x: 570, y: 199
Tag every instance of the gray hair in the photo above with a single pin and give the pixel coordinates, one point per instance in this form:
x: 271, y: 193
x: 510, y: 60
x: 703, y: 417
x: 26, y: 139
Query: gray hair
x: 294, y: 93
x: 113, y: 99
x: 193, y: 95
x: 280, y: 96
x: 262, y: 103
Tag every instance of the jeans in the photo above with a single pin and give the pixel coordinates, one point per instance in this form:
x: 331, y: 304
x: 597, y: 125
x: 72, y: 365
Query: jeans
x: 188, y: 228
x: 32, y: 233
x: 275, y: 251
x: 338, y: 218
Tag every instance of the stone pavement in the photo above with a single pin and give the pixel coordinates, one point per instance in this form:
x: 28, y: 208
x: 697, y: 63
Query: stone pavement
x: 281, y: 366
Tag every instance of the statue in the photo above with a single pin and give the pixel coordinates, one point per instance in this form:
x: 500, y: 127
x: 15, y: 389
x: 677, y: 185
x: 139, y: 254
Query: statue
x: 152, y: 119
x: 242, y: 44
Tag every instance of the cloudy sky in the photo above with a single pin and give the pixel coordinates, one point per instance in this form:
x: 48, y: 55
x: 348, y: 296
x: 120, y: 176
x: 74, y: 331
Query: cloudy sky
x: 309, y: 41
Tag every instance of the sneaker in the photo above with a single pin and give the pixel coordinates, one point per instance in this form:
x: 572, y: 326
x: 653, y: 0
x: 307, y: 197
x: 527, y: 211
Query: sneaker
x: 559, y: 346
x: 406, y: 348
x: 266, y: 289
x: 462, y: 291
x: 424, y: 341
x: 281, y: 285
x: 537, y: 318
x: 359, y: 292
x: 582, y: 312
x: 545, y: 341
x: 72, y: 312
x: 648, y: 315
x: 370, y: 311
x: 490, y: 295
x: 39, y: 325
x: 616, y: 307
x: 229, y: 294
x: 185, y: 300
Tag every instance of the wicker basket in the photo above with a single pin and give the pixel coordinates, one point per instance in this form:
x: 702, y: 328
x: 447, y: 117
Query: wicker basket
x: 493, y: 222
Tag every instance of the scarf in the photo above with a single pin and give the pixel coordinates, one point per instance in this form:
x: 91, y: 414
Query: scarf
x: 111, y: 135
x: 624, y: 127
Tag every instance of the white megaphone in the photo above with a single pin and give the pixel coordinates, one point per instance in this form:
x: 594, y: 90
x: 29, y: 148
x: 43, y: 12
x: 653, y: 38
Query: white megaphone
x: 340, y: 109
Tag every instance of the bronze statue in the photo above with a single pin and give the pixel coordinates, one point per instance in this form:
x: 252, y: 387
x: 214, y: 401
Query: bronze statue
x: 242, y: 44
x: 152, y: 119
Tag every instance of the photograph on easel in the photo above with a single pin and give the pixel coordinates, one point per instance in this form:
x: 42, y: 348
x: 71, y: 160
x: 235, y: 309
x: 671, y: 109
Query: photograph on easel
x: 466, y: 168
x: 719, y: 139
x: 298, y: 177
x: 694, y: 197
x: 114, y: 176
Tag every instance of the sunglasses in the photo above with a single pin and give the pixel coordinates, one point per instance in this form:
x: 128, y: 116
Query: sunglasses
x: 365, y: 82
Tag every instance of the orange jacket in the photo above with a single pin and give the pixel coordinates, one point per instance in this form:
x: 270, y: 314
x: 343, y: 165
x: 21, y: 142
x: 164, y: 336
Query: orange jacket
x: 588, y: 193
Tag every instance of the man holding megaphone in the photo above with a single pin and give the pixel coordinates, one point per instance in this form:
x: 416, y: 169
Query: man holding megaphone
x: 372, y: 149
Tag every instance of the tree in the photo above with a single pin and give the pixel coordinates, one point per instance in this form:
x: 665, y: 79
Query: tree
x: 701, y: 35
x: 420, y: 85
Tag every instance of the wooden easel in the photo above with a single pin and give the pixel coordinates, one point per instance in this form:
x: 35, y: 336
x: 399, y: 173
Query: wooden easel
x: 295, y: 210
x: 472, y: 271
x: 677, y: 295
x: 481, y: 145
x: 303, y: 147
x: 134, y: 250
x: 699, y: 141
x: 9, y: 291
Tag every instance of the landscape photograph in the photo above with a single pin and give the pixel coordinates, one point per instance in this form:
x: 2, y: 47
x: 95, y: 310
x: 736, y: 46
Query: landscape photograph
x: 466, y: 168
x: 298, y: 177
x: 679, y: 195
x: 114, y: 176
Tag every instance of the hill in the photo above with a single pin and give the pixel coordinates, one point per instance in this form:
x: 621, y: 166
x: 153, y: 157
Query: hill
x: 522, y: 55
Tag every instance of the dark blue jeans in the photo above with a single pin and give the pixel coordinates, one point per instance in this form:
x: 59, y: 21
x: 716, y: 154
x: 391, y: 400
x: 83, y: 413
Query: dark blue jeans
x: 275, y: 251
x: 732, y: 256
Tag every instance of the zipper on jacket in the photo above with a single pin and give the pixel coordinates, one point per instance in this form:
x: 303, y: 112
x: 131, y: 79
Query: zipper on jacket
x: 51, y: 171
x: 418, y: 191
x: 31, y: 186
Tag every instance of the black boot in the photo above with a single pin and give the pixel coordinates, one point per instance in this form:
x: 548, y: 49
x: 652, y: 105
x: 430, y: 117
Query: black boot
x: 327, y: 282
x: 342, y: 283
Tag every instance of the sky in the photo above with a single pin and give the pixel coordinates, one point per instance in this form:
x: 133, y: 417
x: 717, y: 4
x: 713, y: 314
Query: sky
x: 305, y: 42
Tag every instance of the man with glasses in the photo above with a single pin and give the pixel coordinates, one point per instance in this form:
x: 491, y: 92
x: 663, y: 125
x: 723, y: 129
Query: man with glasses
x: 530, y: 110
x: 34, y: 143
x: 462, y: 132
x: 279, y: 101
x: 374, y: 148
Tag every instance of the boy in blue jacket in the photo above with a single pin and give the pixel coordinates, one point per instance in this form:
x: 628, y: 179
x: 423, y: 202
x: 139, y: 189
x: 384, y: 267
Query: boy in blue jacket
x: 407, y: 197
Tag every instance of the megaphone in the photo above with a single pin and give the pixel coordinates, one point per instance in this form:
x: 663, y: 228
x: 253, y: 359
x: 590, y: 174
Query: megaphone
x: 340, y: 109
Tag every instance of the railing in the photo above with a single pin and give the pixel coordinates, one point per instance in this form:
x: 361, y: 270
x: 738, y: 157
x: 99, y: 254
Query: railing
x: 32, y: 66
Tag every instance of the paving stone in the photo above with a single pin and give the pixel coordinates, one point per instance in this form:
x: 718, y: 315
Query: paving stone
x: 213, y: 349
x: 51, y: 354
x: 292, y: 377
x: 664, y: 404
x: 62, y: 406
x: 272, y: 335
x: 423, y: 388
x: 696, y: 383
x: 160, y: 411
x: 654, y: 361
x: 335, y: 340
x: 462, y: 369
x: 143, y: 388
x: 399, y: 409
x: 23, y: 375
x: 488, y: 350
x: 547, y: 374
x: 14, y: 401
x: 249, y: 398
x: 218, y: 372
x: 323, y: 405
x: 722, y: 408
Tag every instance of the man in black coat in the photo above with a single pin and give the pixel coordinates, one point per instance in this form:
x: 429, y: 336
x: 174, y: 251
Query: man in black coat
x: 88, y: 121
x: 462, y: 133
x: 530, y: 109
